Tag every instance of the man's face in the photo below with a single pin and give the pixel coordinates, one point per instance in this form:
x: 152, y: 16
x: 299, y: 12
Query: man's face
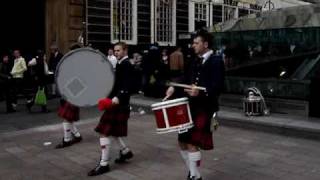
x: 119, y: 52
x: 5, y: 59
x: 110, y: 52
x: 52, y: 50
x: 16, y: 53
x: 199, y: 46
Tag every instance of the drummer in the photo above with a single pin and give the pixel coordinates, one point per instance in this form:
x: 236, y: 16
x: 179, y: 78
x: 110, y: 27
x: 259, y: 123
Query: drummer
x: 207, y: 71
x: 114, y: 121
x: 70, y: 114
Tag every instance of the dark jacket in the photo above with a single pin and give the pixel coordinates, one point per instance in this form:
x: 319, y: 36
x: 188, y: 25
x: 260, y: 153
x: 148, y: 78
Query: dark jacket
x: 123, y: 83
x: 5, y: 69
x: 209, y: 75
x: 53, y: 61
x: 39, y: 72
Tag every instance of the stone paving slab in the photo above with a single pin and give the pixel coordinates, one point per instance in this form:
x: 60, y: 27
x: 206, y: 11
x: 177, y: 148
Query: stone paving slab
x: 239, y: 154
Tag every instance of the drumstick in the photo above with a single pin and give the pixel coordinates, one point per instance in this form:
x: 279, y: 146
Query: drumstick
x: 165, y: 98
x: 186, y: 86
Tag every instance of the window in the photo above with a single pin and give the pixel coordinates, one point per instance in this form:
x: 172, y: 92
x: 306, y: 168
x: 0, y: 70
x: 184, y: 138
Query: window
x: 163, y: 28
x: 124, y: 21
x: 200, y: 12
x: 230, y: 12
x: 200, y: 15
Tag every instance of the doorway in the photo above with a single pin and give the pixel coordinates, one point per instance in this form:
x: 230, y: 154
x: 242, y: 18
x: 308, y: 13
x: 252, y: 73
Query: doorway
x: 23, y: 26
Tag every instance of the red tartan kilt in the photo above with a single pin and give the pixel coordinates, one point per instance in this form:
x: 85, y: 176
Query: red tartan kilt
x: 200, y: 135
x: 69, y: 112
x: 114, y: 122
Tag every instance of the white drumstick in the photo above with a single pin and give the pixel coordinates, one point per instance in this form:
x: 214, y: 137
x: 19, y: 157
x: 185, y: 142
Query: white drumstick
x: 186, y: 86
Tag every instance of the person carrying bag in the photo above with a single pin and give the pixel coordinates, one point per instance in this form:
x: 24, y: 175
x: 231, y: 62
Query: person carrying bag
x: 40, y: 98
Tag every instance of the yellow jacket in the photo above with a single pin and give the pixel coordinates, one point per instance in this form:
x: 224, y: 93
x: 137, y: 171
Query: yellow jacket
x: 19, y: 68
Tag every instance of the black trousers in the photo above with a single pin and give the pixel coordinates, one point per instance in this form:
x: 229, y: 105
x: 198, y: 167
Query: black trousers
x: 8, y: 91
x: 18, y: 88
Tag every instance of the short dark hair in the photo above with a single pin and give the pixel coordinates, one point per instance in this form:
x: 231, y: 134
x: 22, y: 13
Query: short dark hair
x: 205, y: 36
x: 75, y: 46
x: 123, y: 45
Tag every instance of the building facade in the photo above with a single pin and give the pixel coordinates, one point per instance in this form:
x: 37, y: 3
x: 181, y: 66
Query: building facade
x: 142, y: 22
x: 36, y: 24
x: 101, y: 23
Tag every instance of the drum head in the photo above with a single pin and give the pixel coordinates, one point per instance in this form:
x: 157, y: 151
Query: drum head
x: 84, y: 76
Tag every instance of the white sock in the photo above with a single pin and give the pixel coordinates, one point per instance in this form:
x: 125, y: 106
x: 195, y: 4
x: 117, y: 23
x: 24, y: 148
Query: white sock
x: 184, y: 155
x: 194, y: 163
x: 74, y: 130
x: 122, y: 145
x: 66, y: 131
x: 105, y: 144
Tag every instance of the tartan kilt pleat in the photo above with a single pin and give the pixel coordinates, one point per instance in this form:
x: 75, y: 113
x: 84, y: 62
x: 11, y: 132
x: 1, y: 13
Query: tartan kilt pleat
x: 69, y: 112
x: 114, y: 122
x: 200, y: 135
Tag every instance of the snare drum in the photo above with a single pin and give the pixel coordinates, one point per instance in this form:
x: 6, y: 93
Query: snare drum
x: 172, y: 116
x: 252, y: 106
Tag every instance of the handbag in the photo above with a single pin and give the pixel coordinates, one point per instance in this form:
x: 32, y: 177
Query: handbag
x: 40, y: 98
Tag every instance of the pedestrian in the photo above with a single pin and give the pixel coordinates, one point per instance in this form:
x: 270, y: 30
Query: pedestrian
x: 114, y: 121
x: 38, y: 63
x: 17, y: 72
x: 6, y: 78
x: 54, y: 59
x: 150, y: 65
x: 162, y: 75
x: 111, y: 58
x: 137, y: 74
x: 208, y: 72
x: 176, y: 64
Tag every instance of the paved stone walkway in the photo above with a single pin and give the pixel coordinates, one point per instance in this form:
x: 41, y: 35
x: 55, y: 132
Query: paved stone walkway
x: 239, y: 155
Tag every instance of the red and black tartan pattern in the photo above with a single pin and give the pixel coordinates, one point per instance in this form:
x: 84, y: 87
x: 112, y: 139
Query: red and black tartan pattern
x: 114, y: 122
x: 200, y: 135
x: 69, y: 112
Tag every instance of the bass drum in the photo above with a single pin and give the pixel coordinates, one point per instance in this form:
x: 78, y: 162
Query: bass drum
x: 84, y: 76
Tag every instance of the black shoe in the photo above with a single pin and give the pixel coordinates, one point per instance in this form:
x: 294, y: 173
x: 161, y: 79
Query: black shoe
x: 194, y: 178
x: 64, y: 144
x: 29, y: 105
x: 44, y: 109
x: 99, y: 170
x: 10, y: 111
x: 123, y: 157
x: 76, y: 139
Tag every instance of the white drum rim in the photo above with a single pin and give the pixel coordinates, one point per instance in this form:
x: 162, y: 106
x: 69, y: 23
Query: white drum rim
x: 169, y: 105
x: 175, y: 128
x: 170, y: 102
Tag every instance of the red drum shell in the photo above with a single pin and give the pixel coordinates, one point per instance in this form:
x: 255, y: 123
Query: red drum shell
x: 172, y: 115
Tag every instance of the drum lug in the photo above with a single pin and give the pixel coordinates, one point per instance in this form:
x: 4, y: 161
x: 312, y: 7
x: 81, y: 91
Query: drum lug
x: 182, y: 131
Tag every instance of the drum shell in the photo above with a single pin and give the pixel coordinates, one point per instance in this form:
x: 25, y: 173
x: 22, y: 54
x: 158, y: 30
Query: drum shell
x: 172, y: 116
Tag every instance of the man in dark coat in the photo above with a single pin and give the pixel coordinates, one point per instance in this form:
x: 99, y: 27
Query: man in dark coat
x: 6, y: 80
x: 55, y: 57
x: 207, y: 71
x: 114, y: 121
x: 38, y: 64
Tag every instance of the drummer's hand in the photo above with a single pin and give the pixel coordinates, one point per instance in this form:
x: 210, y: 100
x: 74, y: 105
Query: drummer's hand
x: 115, y: 100
x: 193, y: 91
x: 169, y: 93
